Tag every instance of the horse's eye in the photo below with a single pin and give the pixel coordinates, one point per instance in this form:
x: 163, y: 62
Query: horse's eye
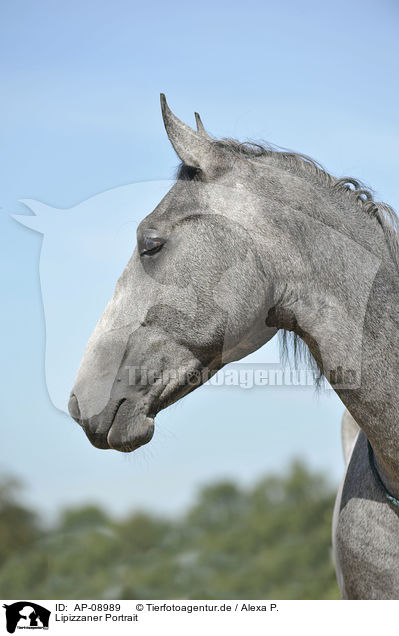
x: 150, y: 245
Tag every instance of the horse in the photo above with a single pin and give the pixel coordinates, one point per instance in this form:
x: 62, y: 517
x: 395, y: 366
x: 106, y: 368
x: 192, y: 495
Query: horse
x: 252, y: 240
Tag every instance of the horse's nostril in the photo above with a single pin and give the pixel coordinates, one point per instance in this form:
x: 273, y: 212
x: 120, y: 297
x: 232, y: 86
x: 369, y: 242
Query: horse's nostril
x: 73, y: 408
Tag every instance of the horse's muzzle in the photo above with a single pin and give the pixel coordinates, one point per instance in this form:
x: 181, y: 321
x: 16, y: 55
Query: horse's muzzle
x: 122, y: 425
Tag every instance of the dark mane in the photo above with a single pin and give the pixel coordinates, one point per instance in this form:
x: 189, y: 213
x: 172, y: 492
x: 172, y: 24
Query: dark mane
x: 187, y: 173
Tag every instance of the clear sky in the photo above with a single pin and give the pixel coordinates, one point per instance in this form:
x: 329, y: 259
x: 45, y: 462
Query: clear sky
x: 80, y: 115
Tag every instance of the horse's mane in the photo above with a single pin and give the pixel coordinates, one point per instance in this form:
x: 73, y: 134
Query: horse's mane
x: 303, y: 166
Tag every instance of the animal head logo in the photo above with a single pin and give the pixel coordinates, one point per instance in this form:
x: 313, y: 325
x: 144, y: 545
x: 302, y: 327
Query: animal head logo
x: 26, y: 615
x: 84, y: 251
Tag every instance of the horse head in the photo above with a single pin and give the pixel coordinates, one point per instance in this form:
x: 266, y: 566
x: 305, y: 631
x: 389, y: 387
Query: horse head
x: 194, y: 296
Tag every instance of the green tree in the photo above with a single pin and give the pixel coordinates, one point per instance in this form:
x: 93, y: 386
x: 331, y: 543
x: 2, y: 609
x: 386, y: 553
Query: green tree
x: 19, y: 528
x: 270, y: 541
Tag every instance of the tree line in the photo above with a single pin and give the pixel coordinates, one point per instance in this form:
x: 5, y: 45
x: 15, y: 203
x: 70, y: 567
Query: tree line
x: 272, y: 540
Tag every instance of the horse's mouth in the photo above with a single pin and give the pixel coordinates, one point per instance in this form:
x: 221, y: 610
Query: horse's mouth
x: 123, y: 425
x: 128, y: 423
x: 132, y: 425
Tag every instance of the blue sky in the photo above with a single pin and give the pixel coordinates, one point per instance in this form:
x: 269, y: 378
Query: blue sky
x: 80, y: 114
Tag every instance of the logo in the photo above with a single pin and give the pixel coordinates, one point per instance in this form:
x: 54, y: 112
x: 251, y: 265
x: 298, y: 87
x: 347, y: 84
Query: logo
x: 26, y: 615
x: 84, y: 251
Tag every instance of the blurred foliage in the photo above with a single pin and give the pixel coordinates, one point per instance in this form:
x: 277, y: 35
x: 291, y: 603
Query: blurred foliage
x: 271, y: 541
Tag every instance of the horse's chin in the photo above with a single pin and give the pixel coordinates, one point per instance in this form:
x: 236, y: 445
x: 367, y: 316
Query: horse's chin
x: 132, y: 425
x: 130, y: 429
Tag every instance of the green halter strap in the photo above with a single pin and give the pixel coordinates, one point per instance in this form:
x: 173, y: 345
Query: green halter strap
x: 378, y: 479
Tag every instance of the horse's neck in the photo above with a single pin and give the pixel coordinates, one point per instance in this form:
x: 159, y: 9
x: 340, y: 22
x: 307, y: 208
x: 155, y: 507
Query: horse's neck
x: 345, y: 306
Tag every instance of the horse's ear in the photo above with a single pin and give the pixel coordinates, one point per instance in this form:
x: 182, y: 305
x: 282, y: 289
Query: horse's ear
x: 200, y: 127
x: 193, y: 148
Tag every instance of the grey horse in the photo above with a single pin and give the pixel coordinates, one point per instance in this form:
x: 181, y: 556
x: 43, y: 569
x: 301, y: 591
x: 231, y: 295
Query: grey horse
x: 251, y: 240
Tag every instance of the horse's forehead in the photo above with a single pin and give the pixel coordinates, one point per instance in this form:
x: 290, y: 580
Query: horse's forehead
x: 185, y: 199
x: 181, y: 201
